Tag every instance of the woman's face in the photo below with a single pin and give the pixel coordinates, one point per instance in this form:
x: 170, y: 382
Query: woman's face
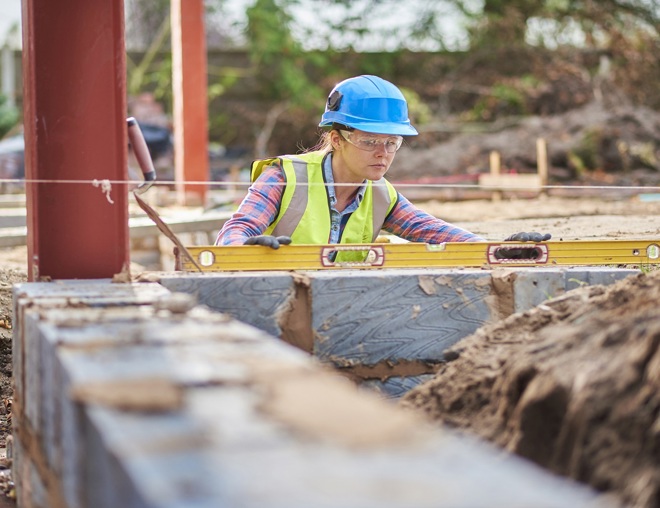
x: 360, y: 155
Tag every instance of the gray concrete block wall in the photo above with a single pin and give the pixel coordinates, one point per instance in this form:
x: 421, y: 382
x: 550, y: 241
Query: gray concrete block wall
x: 372, y: 317
x: 396, y: 323
x: 136, y: 406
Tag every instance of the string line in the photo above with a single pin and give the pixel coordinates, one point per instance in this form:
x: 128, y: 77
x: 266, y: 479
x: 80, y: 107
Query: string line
x: 105, y: 182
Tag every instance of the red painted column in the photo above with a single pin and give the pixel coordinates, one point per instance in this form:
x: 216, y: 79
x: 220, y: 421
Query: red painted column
x: 75, y: 130
x: 189, y: 65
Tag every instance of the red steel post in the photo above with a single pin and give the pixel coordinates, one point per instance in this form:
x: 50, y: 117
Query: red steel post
x: 189, y: 68
x: 74, y: 66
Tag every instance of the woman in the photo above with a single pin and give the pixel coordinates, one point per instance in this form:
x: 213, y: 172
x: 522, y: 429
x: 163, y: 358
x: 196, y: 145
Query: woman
x: 337, y: 193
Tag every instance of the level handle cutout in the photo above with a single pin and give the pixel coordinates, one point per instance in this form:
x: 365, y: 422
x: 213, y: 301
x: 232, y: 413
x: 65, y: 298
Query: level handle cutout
x: 371, y: 256
x: 518, y: 253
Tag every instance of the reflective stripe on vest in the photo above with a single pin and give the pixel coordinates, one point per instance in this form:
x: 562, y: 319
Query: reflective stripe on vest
x: 295, y: 206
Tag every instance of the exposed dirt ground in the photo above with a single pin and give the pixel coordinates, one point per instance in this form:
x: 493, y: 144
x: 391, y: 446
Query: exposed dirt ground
x: 8, y: 277
x: 586, y: 218
x: 573, y: 385
x: 12, y: 271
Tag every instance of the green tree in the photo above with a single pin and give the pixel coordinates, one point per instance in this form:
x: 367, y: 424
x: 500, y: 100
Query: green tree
x: 602, y: 22
x: 9, y: 116
x: 281, y: 66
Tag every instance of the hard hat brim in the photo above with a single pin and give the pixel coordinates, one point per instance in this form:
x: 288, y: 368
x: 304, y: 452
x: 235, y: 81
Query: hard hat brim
x: 379, y: 128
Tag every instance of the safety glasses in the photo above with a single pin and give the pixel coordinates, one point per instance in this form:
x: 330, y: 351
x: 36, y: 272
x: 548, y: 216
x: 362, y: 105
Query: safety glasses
x: 370, y: 142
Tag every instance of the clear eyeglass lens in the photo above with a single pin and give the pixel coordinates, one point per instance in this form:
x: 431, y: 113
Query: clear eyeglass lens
x: 369, y: 144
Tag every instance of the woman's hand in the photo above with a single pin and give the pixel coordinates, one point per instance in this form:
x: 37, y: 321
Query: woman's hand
x: 273, y: 242
x: 528, y: 237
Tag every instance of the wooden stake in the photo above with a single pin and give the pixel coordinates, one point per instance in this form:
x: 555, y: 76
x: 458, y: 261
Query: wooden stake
x: 495, y: 165
x: 542, y: 163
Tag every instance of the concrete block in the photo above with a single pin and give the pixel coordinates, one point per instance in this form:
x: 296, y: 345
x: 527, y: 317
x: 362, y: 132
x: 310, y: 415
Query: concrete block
x: 18, y: 469
x: 440, y: 473
x: 114, y: 479
x: 254, y: 298
x: 51, y: 386
x: 69, y: 453
x: 28, y: 393
x: 396, y: 386
x: 601, y: 275
x: 29, y: 485
x: 367, y: 317
x: 92, y: 293
x: 234, y: 418
x: 531, y: 287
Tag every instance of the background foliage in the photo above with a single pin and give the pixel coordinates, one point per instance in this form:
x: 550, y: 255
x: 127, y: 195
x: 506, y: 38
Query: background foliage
x: 510, y: 58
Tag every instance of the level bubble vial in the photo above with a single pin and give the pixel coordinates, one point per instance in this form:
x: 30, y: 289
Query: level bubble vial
x: 206, y: 258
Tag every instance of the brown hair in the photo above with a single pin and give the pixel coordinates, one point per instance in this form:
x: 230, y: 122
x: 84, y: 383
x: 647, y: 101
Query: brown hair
x: 324, y: 143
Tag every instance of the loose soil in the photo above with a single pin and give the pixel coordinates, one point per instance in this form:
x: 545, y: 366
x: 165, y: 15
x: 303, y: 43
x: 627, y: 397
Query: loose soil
x: 8, y: 277
x: 573, y: 385
x: 13, y: 270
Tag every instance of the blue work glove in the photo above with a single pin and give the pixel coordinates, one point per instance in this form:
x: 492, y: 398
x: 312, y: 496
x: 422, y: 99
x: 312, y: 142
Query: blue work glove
x: 522, y: 252
x: 273, y: 242
x: 528, y: 237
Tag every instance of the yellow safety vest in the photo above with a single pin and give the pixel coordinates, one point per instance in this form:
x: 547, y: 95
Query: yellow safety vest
x: 304, y: 211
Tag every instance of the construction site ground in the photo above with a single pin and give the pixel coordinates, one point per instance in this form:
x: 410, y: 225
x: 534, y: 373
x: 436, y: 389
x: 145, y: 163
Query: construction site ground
x: 573, y: 385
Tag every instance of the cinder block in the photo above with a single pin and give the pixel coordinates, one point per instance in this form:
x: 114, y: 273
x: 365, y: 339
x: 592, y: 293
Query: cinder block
x: 253, y: 298
x: 601, y: 275
x: 531, y: 287
x: 102, y: 292
x: 28, y: 483
x: 29, y: 397
x: 235, y: 417
x: 438, y: 473
x: 69, y: 453
x: 396, y: 387
x: 123, y: 451
x: 367, y: 317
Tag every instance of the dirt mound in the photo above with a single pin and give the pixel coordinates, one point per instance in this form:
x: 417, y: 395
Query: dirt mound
x: 573, y: 385
x: 8, y: 277
x: 622, y: 139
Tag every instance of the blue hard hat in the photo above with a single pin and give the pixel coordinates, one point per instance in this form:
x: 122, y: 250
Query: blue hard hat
x: 370, y: 104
